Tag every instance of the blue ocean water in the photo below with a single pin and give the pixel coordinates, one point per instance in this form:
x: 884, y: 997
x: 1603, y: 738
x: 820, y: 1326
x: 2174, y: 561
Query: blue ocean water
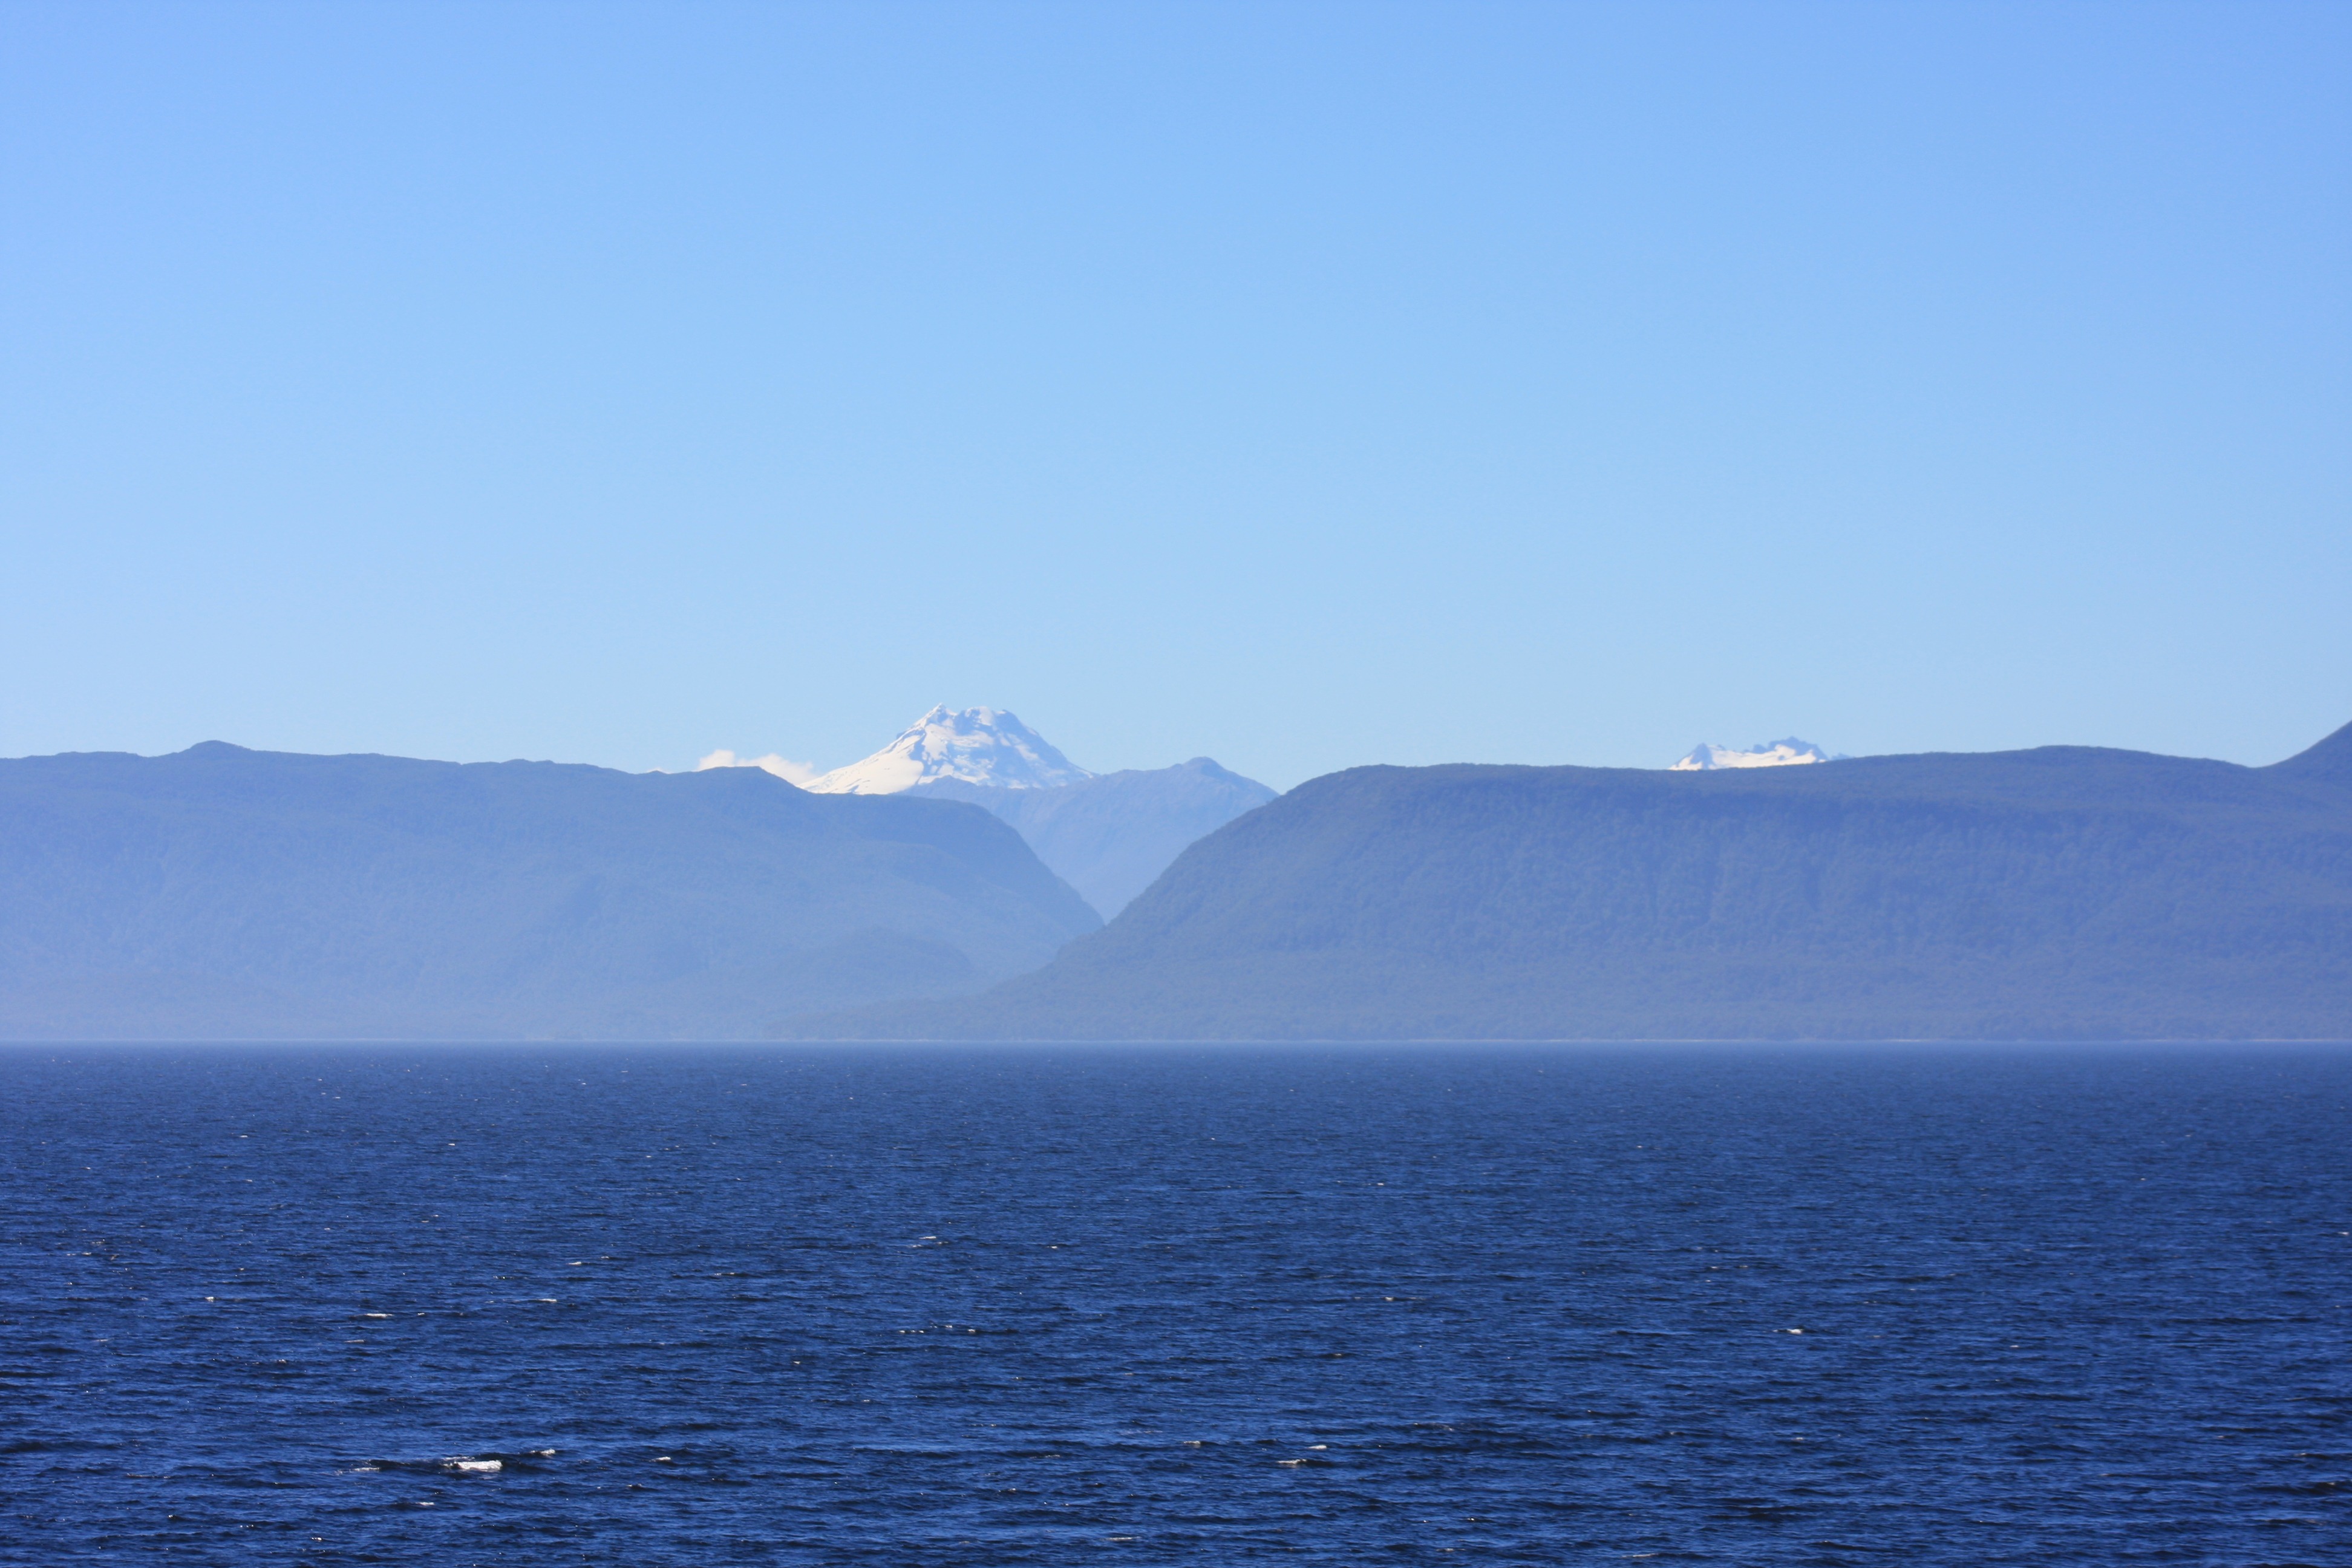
x: 1061, y: 1305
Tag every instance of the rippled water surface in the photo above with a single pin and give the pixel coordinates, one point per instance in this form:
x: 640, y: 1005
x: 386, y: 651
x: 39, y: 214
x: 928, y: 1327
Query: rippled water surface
x: 1543, y: 1305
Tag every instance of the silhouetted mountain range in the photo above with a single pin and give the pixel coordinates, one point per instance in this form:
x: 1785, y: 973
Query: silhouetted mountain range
x: 226, y: 893
x: 2060, y: 892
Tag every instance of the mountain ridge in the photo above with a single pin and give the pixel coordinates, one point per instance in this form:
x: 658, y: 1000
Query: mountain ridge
x: 2058, y: 892
x: 225, y: 893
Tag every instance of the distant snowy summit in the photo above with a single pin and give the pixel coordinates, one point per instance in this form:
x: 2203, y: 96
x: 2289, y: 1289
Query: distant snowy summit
x: 1106, y: 834
x: 1773, y: 754
x: 972, y: 745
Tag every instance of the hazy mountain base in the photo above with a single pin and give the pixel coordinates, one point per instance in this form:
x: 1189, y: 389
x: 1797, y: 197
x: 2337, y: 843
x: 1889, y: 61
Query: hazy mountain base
x: 222, y: 893
x: 2060, y: 893
x: 1112, y: 836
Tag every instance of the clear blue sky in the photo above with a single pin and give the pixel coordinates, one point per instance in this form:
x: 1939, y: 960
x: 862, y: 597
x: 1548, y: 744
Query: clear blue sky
x: 1302, y: 384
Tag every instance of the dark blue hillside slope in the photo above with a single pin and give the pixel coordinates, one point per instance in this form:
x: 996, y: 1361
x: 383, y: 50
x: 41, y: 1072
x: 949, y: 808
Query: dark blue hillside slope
x: 222, y: 892
x: 2053, y: 893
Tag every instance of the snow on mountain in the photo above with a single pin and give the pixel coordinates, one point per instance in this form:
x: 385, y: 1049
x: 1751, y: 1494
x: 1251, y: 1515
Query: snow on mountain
x: 1772, y: 754
x: 976, y: 745
x: 783, y: 767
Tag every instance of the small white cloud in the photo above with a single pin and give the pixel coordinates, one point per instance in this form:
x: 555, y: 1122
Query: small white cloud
x: 784, y: 768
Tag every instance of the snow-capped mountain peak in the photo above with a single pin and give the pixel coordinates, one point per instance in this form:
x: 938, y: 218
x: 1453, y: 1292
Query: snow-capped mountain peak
x: 1771, y: 754
x: 977, y: 745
